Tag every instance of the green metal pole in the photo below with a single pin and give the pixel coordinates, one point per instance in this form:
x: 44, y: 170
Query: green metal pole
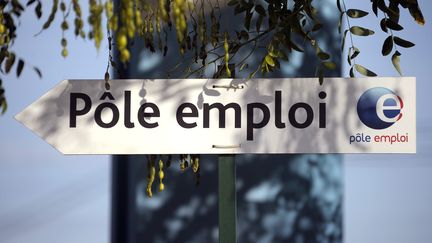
x: 227, y: 199
x: 227, y: 188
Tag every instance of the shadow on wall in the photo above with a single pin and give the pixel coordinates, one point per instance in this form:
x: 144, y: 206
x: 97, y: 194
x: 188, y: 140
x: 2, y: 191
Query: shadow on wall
x: 280, y: 198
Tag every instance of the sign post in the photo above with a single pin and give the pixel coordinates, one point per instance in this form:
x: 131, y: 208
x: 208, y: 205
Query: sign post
x: 227, y: 202
x: 227, y: 198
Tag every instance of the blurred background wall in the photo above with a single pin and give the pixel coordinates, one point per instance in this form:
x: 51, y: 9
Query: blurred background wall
x: 283, y: 198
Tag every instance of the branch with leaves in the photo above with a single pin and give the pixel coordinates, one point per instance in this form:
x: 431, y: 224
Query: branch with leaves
x: 278, y: 26
x: 388, y: 24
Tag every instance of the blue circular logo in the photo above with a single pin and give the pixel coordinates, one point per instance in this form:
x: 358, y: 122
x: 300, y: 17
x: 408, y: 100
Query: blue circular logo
x: 379, y: 108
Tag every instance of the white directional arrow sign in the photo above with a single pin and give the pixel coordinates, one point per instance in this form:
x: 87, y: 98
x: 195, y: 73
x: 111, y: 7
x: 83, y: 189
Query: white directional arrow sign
x: 197, y: 116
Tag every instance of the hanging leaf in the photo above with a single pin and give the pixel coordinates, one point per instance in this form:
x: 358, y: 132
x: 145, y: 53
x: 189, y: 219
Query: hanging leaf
x: 3, y: 54
x: 355, y: 53
x: 38, y: 10
x: 252, y: 75
x: 244, y: 35
x: 375, y: 7
x: 344, y: 40
x: 10, y: 62
x: 260, y: 10
x: 360, y: 31
x: 296, y: 47
x: 239, y: 9
x: 383, y: 7
x: 38, y: 72
x: 339, y: 6
x: 52, y: 15
x: 233, y: 2
x: 393, y: 25
x: 364, y: 71
x: 30, y: 2
x: 416, y: 13
x: 244, y: 66
x: 259, y: 22
x: 356, y: 13
x: 351, y: 72
x: 349, y: 58
x: 387, y: 46
x: 394, y: 12
x: 329, y: 65
x: 248, y: 19
x: 340, y: 22
x: 269, y: 60
x: 320, y: 74
x: 282, y: 56
x: 321, y: 54
x: 396, y: 62
x: 403, y: 43
x: 4, y: 106
x: 20, y: 67
x: 383, y: 25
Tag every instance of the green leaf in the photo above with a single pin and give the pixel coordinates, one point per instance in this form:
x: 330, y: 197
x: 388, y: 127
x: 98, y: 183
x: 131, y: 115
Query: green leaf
x: 52, y: 15
x: 360, y: 31
x: 248, y: 19
x: 351, y: 72
x: 30, y: 2
x: 4, y: 106
x: 10, y: 62
x: 364, y: 71
x: 320, y: 74
x: 396, y: 62
x: 233, y: 2
x: 416, y: 14
x: 393, y: 25
x: 38, y: 72
x: 296, y: 47
x: 403, y: 43
x: 356, y: 13
x: 19, y: 67
x: 269, y: 60
x: 273, y: 53
x: 3, y: 54
x: 383, y: 25
x: 38, y: 10
x: 321, y: 54
x: 239, y: 9
x: 259, y: 22
x: 252, y: 75
x: 282, y: 55
x: 375, y: 7
x: 243, y: 66
x: 329, y: 65
x: 244, y: 35
x: 355, y: 53
x: 260, y: 10
x: 340, y: 22
x: 339, y: 6
x: 387, y: 46
x: 344, y: 39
